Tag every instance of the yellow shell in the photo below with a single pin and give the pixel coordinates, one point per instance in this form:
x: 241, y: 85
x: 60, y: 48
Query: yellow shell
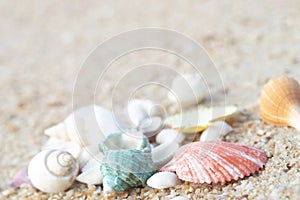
x: 279, y: 102
x: 199, y: 119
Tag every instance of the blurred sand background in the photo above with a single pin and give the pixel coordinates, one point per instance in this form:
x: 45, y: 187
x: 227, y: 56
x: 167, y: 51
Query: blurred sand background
x: 44, y: 43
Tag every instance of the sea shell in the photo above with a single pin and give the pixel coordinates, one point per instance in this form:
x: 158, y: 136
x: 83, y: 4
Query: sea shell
x: 216, y: 131
x: 214, y: 162
x: 199, y: 119
x: 151, y: 126
x: 90, y: 173
x: 162, y: 180
x: 85, y: 126
x: 188, y: 90
x: 21, y: 177
x: 180, y: 198
x: 53, y: 143
x: 279, y: 102
x: 127, y: 162
x: 139, y: 109
x: 87, y: 153
x: 167, y: 135
x: 163, y: 153
x: 52, y: 171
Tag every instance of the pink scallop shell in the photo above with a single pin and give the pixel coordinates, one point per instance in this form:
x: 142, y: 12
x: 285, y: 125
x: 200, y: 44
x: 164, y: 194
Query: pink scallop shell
x: 215, y: 162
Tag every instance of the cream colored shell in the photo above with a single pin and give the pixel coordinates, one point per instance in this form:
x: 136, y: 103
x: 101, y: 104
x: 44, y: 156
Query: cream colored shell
x: 162, y: 180
x: 52, y: 171
x: 279, y: 103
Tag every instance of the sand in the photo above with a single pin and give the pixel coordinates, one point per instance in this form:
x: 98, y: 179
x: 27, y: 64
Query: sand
x: 43, y: 46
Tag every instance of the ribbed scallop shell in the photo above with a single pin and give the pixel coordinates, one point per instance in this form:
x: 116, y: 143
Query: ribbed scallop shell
x: 214, y: 162
x: 280, y: 102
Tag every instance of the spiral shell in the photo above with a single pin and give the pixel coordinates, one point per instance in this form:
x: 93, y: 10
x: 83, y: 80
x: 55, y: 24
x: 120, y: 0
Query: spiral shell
x: 52, y: 171
x: 126, y: 162
x: 279, y: 103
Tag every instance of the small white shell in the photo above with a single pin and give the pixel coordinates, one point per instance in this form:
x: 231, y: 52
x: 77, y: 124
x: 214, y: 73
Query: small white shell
x: 52, y: 171
x: 86, y: 154
x: 53, y: 143
x: 180, y: 198
x: 91, y: 173
x: 216, y: 131
x: 188, y: 89
x: 150, y: 126
x: 162, y: 180
x: 167, y: 135
x: 87, y: 125
x: 163, y: 153
x: 139, y: 109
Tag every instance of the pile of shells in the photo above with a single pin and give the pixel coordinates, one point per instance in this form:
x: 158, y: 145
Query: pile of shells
x: 89, y: 147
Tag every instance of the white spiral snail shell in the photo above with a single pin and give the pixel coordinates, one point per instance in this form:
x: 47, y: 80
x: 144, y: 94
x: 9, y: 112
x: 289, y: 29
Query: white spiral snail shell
x: 52, y: 171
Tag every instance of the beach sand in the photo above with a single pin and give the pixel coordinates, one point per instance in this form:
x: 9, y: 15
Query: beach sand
x: 44, y: 44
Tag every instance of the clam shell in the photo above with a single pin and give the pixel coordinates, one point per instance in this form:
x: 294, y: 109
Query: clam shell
x: 85, y: 126
x: 279, y: 103
x: 90, y: 173
x: 167, y: 135
x: 188, y: 89
x: 126, y: 163
x: 214, y: 162
x: 162, y: 180
x: 216, y: 131
x: 199, y: 119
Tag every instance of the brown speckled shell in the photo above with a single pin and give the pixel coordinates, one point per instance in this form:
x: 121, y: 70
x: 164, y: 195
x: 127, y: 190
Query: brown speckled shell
x: 279, y: 103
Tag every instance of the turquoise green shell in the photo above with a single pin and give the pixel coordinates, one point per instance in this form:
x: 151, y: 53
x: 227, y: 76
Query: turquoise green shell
x: 125, y: 168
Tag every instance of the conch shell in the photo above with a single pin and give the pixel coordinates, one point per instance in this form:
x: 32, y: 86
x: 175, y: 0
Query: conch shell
x: 52, y: 171
x: 127, y: 162
x: 279, y: 102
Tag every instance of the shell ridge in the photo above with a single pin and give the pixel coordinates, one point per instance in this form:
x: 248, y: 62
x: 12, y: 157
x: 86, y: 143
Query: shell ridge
x: 229, y: 158
x: 229, y: 165
x: 245, y: 155
x: 245, y: 165
x: 206, y: 175
x: 224, y: 166
x: 197, y: 169
x: 220, y: 170
x: 253, y: 158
